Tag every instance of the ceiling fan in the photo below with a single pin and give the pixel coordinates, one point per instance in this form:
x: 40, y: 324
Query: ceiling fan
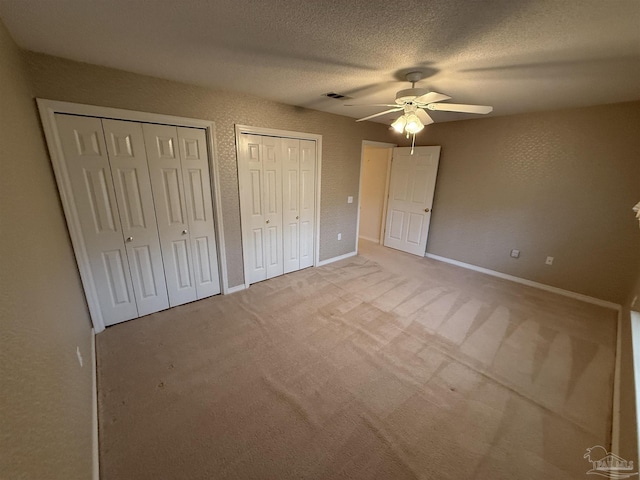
x: 415, y: 102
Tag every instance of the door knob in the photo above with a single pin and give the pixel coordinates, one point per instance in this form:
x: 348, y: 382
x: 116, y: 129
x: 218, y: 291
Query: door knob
x: 297, y: 217
x: 268, y: 221
x: 129, y: 239
x: 426, y: 210
x: 184, y: 232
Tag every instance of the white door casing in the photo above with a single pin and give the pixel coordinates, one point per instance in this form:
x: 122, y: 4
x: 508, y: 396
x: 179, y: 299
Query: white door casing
x: 87, y: 165
x: 412, y: 185
x: 167, y: 183
x: 195, y: 172
x: 128, y: 160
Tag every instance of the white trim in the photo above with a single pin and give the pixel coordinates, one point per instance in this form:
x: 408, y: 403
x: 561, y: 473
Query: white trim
x: 615, y: 422
x: 237, y: 288
x: 94, y: 410
x: 48, y: 109
x: 371, y: 239
x: 370, y: 143
x: 530, y: 283
x: 634, y: 319
x: 246, y: 129
x: 336, y: 259
x: 385, y: 204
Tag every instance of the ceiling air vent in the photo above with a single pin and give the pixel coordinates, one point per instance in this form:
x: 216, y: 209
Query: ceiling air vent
x: 335, y: 95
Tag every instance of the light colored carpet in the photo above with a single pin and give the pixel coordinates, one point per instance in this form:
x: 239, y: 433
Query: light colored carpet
x: 381, y: 366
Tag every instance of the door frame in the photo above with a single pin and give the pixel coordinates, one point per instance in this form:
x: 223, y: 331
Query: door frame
x: 274, y: 132
x: 390, y: 146
x: 48, y: 109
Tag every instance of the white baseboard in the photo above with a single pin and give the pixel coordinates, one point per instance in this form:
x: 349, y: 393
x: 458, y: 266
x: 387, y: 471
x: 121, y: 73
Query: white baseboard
x: 94, y: 414
x: 237, y: 288
x: 615, y: 419
x: 530, y: 283
x: 336, y: 259
x: 371, y: 239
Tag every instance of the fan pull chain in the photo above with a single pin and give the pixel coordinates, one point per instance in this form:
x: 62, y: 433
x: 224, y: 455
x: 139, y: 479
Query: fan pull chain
x: 413, y: 143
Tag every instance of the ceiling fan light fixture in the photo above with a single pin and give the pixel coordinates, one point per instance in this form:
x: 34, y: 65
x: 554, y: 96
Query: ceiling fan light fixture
x: 413, y: 124
x: 399, y: 124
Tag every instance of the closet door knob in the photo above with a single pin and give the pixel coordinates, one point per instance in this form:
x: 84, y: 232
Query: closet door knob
x: 297, y: 217
x: 129, y: 239
x: 426, y: 210
x: 184, y: 232
x: 268, y: 221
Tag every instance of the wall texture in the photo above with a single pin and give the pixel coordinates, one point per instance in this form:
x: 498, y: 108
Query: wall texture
x: 59, y: 79
x: 45, y: 396
x: 374, y: 180
x: 558, y: 184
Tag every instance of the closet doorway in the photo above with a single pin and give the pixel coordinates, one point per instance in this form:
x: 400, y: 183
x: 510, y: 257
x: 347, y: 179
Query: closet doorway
x: 141, y: 197
x: 279, y: 180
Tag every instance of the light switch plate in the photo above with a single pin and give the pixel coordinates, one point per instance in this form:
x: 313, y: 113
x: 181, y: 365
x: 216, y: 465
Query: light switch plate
x: 515, y: 253
x: 349, y: 199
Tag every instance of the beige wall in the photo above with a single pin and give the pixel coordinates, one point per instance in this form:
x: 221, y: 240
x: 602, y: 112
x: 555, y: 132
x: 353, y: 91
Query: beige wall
x: 59, y: 79
x: 556, y: 183
x: 45, y: 396
x: 375, y: 163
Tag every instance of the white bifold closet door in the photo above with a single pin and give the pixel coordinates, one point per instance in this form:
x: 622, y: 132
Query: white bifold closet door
x: 277, y: 180
x: 298, y: 199
x: 143, y: 199
x: 179, y: 179
x: 89, y: 172
x: 125, y: 146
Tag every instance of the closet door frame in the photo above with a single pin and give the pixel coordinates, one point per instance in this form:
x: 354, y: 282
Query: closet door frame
x: 272, y: 132
x: 48, y: 109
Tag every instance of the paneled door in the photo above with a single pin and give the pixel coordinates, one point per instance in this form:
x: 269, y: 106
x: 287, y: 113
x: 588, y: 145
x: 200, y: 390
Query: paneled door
x: 128, y: 158
x: 298, y: 202
x: 413, y: 180
x: 87, y: 165
x: 165, y: 169
x: 291, y: 203
x: 260, y: 170
x: 197, y: 190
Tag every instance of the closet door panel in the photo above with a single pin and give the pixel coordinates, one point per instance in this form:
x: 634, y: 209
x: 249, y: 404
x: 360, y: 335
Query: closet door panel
x: 307, y: 201
x: 87, y: 164
x: 197, y: 187
x: 167, y: 184
x: 272, y: 175
x: 291, y: 203
x: 128, y: 159
x: 252, y: 203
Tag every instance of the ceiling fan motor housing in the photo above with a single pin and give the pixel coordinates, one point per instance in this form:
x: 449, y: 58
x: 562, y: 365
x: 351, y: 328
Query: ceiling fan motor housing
x: 409, y: 94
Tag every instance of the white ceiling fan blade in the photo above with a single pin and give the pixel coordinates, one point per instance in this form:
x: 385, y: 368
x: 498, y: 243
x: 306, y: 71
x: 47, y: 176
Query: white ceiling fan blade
x: 424, y: 117
x: 432, y: 97
x: 379, y: 114
x: 458, y: 107
x: 370, y: 105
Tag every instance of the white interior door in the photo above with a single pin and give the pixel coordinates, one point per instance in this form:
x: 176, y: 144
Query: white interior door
x: 260, y: 172
x: 413, y: 181
x: 167, y: 184
x: 87, y: 164
x: 128, y: 159
x: 197, y: 188
x: 307, y: 201
x: 291, y: 203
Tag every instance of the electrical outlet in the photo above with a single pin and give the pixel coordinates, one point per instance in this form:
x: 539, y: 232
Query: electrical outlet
x: 515, y: 253
x: 79, y: 356
x: 549, y: 261
x: 349, y: 199
x: 339, y: 236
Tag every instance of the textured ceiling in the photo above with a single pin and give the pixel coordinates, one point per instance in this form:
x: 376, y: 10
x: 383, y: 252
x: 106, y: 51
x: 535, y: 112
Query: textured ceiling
x: 517, y: 55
